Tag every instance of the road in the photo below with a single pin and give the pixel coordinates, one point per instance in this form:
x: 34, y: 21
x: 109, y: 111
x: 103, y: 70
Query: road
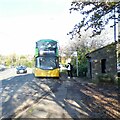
x: 23, y: 96
x: 19, y: 91
x: 73, y: 99
x: 12, y: 85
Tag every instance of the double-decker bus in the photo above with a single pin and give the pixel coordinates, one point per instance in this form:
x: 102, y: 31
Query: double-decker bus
x: 46, y: 59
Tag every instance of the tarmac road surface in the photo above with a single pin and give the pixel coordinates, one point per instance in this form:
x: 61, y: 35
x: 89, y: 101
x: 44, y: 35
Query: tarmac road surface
x: 19, y: 91
x: 76, y: 98
x: 23, y: 96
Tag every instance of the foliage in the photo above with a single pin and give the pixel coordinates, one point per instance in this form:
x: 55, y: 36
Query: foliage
x: 95, y: 16
x: 14, y: 60
x: 82, y: 69
x: 118, y: 52
x: 82, y: 62
x: 1, y: 58
x: 8, y: 61
x: 73, y: 62
x: 105, y: 78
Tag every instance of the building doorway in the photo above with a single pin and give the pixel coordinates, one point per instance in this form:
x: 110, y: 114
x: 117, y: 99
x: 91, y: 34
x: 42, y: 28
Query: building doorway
x: 103, y: 65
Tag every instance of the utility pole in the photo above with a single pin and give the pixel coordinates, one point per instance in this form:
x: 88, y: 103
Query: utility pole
x: 76, y: 55
x: 77, y: 63
x: 114, y: 26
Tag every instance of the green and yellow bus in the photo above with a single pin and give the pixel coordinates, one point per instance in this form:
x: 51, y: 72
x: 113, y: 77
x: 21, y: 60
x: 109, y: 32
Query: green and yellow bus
x: 46, y: 59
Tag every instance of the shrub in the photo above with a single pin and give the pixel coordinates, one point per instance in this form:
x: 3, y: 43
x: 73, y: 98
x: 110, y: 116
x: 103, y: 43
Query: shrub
x: 105, y: 78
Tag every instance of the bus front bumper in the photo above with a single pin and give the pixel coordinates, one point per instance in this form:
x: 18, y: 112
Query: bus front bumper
x: 46, y: 73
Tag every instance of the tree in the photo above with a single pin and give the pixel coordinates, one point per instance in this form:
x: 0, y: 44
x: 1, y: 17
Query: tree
x: 1, y: 58
x: 83, y: 45
x: 95, y: 16
x: 13, y: 58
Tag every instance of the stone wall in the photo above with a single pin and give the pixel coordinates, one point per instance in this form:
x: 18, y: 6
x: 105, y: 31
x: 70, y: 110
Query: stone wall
x: 107, y: 54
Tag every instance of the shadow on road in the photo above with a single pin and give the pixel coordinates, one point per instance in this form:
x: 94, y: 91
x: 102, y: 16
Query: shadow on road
x: 94, y: 102
x: 77, y: 99
x: 12, y: 92
x: 85, y: 100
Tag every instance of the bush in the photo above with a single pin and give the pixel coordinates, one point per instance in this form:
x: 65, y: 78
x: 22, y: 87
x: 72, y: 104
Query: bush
x: 74, y: 71
x: 82, y: 70
x: 105, y: 78
x: 117, y: 80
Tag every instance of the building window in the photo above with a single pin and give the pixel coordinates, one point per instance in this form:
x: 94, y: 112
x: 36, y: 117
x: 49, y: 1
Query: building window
x: 103, y: 65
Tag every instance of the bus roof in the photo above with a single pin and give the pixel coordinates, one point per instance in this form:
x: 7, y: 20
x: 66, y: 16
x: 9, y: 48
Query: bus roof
x: 46, y: 40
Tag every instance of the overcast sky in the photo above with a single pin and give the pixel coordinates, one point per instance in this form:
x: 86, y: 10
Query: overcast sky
x: 23, y: 22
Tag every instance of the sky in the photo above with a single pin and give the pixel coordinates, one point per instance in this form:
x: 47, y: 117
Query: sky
x: 23, y: 22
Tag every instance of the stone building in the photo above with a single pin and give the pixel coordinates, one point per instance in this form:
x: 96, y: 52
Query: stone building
x: 102, y: 61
